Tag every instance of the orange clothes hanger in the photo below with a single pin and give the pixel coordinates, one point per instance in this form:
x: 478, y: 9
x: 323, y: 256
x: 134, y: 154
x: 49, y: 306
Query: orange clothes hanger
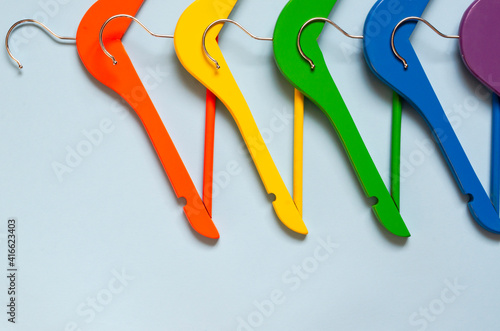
x: 124, y: 80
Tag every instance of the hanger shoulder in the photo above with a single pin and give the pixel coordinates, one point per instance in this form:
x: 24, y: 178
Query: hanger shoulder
x: 413, y: 84
x: 479, y: 32
x: 319, y: 86
x: 188, y: 45
x: 124, y: 80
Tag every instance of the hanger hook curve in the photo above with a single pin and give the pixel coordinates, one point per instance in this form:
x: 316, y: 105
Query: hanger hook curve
x: 28, y: 20
x: 135, y: 20
x: 319, y: 19
x: 221, y: 21
x: 414, y: 18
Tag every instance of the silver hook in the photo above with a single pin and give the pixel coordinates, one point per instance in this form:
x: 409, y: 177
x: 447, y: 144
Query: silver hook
x: 319, y: 19
x: 137, y: 21
x: 414, y: 18
x: 226, y: 21
x: 15, y: 25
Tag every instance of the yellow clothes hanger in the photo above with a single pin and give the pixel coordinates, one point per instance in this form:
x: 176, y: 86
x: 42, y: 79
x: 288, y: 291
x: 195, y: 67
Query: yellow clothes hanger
x: 188, y: 45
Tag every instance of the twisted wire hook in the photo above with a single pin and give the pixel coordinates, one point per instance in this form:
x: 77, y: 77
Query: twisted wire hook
x: 226, y: 21
x: 135, y: 20
x: 27, y: 20
x: 414, y: 18
x: 319, y: 19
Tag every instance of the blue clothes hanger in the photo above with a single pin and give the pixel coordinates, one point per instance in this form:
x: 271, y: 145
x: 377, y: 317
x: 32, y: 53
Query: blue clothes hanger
x: 414, y: 86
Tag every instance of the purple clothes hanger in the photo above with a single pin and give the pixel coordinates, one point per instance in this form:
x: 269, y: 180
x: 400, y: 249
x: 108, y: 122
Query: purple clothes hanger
x: 480, y: 48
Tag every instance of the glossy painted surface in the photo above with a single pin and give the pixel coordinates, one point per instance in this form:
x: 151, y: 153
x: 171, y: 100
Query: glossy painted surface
x: 124, y: 80
x: 188, y: 44
x: 414, y: 86
x: 318, y: 85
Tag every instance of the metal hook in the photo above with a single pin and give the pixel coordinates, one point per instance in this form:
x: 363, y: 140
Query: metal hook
x: 226, y: 21
x: 137, y: 21
x: 319, y: 19
x: 15, y: 25
x: 414, y: 18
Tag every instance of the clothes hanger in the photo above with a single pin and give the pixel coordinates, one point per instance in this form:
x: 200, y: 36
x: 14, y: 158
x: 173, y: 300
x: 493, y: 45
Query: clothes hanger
x: 197, y: 20
x: 389, y: 69
x: 88, y: 46
x: 478, y: 28
x: 298, y: 146
x: 479, y: 31
x: 209, y: 144
x: 298, y: 122
x: 298, y: 135
x: 396, y: 115
x: 319, y: 86
x: 209, y: 119
x: 124, y: 80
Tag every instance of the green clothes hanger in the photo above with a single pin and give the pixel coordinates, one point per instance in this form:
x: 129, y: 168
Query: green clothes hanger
x: 319, y: 87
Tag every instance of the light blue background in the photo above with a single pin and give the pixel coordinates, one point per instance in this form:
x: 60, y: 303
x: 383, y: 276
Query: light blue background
x: 116, y: 211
